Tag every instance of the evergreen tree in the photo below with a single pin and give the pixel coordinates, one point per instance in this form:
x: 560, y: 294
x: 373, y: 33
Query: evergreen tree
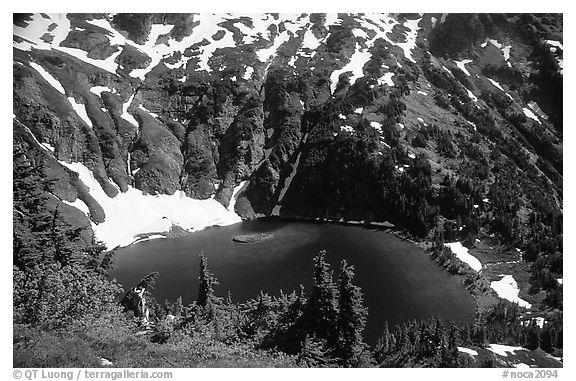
x: 321, y: 312
x: 31, y: 219
x: 207, y: 283
x: 289, y: 334
x: 313, y: 353
x: 179, y: 307
x: 452, y: 345
x: 351, y: 317
x: 65, y: 241
x: 383, y: 345
x: 532, y: 336
x: 546, y: 339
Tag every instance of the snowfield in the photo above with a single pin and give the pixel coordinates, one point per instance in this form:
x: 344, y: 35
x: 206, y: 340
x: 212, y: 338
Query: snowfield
x: 48, y: 77
x: 531, y: 115
x: 410, y: 43
x: 125, y: 115
x: 99, y: 89
x: 462, y: 254
x: 133, y: 213
x: 507, y: 288
x: 386, y: 79
x: 461, y: 66
x: 497, y: 85
x: 377, y: 126
x: 80, y: 110
x: 503, y: 350
x: 471, y: 352
x: 357, y: 61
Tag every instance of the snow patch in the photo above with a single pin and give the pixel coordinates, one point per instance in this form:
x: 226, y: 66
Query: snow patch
x: 521, y: 365
x: 503, y: 350
x: 357, y: 61
x: 48, y: 147
x: 80, y: 110
x: 497, y: 85
x: 105, y: 362
x: 461, y: 66
x: 462, y: 254
x: 35, y: 30
x: 531, y: 115
x: 125, y: 115
x: 332, y: 19
x: 377, y: 126
x: 506, y: 53
x: 343, y: 117
x: 539, y: 321
x: 78, y: 204
x: 235, y: 193
x: 99, y: 89
x: 507, y: 288
x: 422, y: 93
x: 360, y: 33
x: 147, y: 111
x: 48, y: 77
x: 471, y: 95
x: 411, y: 35
x: 310, y: 41
x: 248, y: 72
x: 265, y: 54
x: 359, y: 110
x: 471, y: 352
x: 346, y: 129
x: 495, y: 43
x: 386, y: 79
x: 555, y: 43
x: 133, y: 213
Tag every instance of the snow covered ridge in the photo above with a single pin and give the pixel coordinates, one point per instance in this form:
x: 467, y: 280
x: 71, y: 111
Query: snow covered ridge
x: 462, y: 254
x: 133, y: 213
x: 49, y: 31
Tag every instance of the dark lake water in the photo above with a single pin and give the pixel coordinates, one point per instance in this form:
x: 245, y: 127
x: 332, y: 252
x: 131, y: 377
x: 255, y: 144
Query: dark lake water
x: 398, y: 279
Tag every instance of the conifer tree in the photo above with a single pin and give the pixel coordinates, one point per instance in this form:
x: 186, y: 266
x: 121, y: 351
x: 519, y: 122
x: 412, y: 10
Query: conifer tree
x: 546, y: 339
x: 351, y: 317
x: 321, y: 312
x: 452, y: 345
x: 207, y: 283
x: 31, y: 219
x: 179, y: 307
x: 65, y: 241
x: 532, y: 336
x: 383, y: 345
x: 313, y: 353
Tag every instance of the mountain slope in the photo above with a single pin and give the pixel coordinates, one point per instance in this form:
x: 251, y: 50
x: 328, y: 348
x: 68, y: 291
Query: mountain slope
x: 446, y: 125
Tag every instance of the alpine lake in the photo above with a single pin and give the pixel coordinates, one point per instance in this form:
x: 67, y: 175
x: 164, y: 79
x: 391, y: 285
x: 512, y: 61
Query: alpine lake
x: 399, y: 281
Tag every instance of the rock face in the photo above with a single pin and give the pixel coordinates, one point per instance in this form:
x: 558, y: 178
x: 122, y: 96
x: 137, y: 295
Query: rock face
x: 338, y: 117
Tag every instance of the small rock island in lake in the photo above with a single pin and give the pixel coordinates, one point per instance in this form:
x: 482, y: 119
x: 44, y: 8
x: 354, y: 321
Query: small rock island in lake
x: 250, y: 238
